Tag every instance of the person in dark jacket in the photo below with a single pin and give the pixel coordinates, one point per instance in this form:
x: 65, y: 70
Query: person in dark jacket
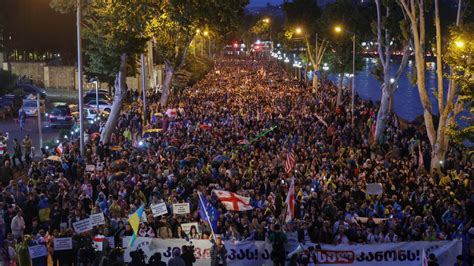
x: 218, y: 253
x: 17, y: 154
x: 155, y: 260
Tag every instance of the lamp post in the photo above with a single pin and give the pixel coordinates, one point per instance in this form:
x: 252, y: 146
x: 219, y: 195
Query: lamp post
x: 268, y: 21
x: 339, y: 29
x: 79, y: 76
x: 206, y: 34
x: 96, y: 83
x: 142, y: 58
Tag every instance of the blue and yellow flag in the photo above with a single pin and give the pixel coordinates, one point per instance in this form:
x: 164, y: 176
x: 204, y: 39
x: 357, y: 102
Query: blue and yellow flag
x: 134, y: 221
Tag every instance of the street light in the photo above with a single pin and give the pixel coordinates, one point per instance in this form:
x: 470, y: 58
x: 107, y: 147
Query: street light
x: 266, y: 20
x: 339, y: 29
x: 460, y: 43
x: 298, y: 30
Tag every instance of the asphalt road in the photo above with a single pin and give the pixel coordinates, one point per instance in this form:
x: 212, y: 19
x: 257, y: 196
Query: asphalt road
x: 31, y: 127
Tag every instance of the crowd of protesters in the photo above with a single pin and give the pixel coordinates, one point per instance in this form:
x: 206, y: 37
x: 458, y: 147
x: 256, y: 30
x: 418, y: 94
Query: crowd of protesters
x: 336, y: 158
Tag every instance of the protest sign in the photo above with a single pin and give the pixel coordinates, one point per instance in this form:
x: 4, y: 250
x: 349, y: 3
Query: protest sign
x: 97, y: 219
x: 82, y: 226
x: 374, y: 188
x: 100, y: 166
x: 187, y: 227
x: 62, y: 243
x: 159, y: 209
x: 38, y: 251
x: 181, y: 208
x: 90, y: 168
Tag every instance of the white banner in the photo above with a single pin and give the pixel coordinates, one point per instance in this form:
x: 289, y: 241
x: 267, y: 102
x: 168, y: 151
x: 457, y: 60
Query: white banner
x: 63, y: 243
x: 159, y: 209
x: 181, y: 208
x: 82, y: 226
x: 38, y: 251
x: 97, y: 219
x: 258, y: 252
x: 374, y: 188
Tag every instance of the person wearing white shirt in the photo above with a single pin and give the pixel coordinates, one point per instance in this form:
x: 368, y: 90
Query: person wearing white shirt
x: 18, y: 225
x: 391, y: 237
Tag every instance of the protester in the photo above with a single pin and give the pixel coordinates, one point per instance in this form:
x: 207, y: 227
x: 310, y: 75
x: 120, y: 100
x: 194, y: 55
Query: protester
x: 218, y: 253
x: 176, y: 260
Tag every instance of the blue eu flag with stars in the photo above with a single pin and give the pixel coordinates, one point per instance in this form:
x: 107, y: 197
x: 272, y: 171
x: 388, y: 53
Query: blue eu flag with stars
x: 208, y: 212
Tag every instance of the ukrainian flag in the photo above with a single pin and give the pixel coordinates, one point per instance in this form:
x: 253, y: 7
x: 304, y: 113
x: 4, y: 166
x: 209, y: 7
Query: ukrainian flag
x: 134, y: 221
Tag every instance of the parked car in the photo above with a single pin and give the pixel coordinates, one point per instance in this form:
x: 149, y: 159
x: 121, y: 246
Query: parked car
x: 103, y: 105
x: 60, y: 116
x: 89, y: 113
x: 102, y: 96
x: 30, y: 106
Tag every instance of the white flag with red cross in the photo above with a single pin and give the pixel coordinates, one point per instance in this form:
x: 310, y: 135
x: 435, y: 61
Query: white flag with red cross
x: 233, y: 201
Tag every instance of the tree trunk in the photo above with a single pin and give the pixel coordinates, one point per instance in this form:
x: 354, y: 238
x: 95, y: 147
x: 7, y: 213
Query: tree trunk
x: 383, y: 113
x: 438, y: 154
x: 169, y: 71
x: 120, y: 91
x: 339, y: 90
x: 315, y: 81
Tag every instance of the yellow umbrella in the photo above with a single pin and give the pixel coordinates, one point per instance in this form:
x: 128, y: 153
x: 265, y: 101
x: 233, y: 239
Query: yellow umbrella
x: 54, y: 158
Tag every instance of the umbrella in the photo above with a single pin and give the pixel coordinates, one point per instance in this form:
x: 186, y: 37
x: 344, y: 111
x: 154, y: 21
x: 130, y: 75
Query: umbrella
x: 54, y: 158
x: 118, y: 175
x: 175, y: 141
x: 151, y: 132
x: 119, y: 165
x: 172, y: 149
x: 221, y: 158
x: 116, y: 148
x: 204, y: 126
x: 191, y: 159
x: 190, y: 146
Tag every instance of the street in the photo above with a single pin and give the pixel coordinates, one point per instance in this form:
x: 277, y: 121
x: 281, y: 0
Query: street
x: 11, y: 126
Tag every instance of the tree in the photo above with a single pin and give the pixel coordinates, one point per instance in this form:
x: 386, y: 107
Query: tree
x: 178, y: 25
x: 353, y: 18
x: 449, y: 107
x: 305, y: 14
x: 7, y: 81
x: 116, y: 32
x: 393, y: 32
x: 459, y: 57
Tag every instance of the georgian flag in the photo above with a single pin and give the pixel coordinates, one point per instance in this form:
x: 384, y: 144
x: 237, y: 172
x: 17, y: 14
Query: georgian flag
x: 233, y: 201
x: 290, y: 202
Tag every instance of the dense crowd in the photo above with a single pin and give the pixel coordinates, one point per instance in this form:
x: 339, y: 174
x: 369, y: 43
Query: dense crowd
x: 233, y: 104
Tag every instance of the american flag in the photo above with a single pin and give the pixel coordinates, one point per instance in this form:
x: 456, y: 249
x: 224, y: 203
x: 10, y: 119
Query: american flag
x: 290, y: 160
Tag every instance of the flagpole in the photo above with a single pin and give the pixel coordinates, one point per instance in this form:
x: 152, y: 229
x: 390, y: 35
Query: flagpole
x: 205, y: 211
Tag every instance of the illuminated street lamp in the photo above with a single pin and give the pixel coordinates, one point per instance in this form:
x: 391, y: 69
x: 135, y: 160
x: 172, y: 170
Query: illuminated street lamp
x: 338, y: 30
x: 459, y: 43
x: 298, y: 30
x: 266, y: 20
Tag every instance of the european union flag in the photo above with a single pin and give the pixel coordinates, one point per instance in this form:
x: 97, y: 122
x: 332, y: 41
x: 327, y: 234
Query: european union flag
x: 208, y: 212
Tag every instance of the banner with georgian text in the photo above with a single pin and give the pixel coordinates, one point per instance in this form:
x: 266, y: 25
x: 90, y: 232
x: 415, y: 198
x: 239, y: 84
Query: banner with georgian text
x: 246, y: 253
